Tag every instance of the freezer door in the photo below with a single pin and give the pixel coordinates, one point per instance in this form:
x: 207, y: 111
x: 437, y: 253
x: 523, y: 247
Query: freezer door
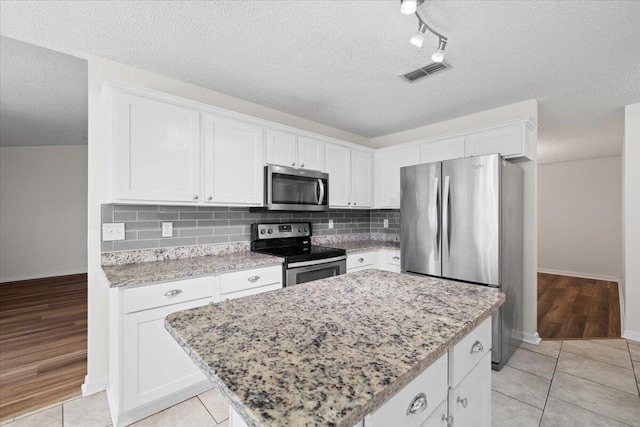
x: 420, y: 218
x: 471, y: 219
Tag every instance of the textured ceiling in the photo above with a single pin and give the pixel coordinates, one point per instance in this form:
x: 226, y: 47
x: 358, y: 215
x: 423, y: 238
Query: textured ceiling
x: 338, y: 62
x: 43, y: 96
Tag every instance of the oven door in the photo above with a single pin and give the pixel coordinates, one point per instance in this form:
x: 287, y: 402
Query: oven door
x: 296, y: 189
x: 307, y: 271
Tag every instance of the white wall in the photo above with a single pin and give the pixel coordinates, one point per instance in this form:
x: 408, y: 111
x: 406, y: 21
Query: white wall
x: 508, y: 112
x: 43, y: 211
x: 631, y: 227
x: 580, y: 218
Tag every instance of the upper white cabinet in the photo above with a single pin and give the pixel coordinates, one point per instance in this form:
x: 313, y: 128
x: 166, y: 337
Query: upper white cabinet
x: 287, y: 149
x: 445, y: 149
x: 233, y: 162
x: 350, y: 177
x: 156, y: 151
x: 512, y: 140
x: 388, y: 164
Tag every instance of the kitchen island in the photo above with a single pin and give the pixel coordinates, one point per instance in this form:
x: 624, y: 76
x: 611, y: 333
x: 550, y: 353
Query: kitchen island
x: 333, y: 351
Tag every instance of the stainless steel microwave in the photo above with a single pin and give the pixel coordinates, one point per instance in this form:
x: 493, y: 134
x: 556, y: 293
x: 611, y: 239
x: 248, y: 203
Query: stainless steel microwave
x: 289, y: 189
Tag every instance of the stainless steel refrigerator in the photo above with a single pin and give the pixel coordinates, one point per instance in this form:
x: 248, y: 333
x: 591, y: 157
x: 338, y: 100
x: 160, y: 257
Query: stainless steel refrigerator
x: 462, y: 220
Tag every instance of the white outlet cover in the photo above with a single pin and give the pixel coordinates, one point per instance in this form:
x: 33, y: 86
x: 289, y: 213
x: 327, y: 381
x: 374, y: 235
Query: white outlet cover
x: 385, y: 223
x: 330, y: 223
x: 111, y: 232
x: 167, y: 229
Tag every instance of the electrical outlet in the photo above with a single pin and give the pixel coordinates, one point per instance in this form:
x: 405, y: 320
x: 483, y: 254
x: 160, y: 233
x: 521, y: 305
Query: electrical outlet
x: 167, y: 229
x: 385, y: 223
x: 330, y: 223
x: 113, y: 231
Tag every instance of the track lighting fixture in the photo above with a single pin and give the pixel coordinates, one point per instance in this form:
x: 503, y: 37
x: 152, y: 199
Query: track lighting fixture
x: 408, y: 7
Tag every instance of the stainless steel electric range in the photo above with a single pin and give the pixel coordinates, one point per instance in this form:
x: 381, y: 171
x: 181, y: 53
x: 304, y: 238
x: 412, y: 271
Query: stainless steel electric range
x: 304, y: 262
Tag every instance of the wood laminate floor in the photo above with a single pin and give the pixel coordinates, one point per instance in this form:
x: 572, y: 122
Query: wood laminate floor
x: 43, y: 342
x: 571, y: 307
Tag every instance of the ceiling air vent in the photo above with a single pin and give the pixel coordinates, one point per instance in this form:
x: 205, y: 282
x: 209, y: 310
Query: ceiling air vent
x: 426, y: 71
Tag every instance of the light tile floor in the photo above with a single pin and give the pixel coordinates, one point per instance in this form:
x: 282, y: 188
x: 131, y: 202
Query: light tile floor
x: 557, y: 383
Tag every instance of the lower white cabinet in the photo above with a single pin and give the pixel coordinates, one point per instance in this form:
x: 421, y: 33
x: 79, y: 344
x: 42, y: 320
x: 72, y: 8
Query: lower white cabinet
x: 439, y: 417
x: 470, y: 401
x: 383, y: 259
x: 250, y: 282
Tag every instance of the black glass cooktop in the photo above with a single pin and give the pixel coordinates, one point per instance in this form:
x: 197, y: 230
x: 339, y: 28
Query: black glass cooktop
x: 304, y: 253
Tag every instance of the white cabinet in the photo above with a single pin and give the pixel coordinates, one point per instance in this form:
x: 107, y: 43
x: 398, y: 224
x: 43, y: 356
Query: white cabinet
x: 389, y: 261
x: 250, y: 282
x: 445, y: 149
x: 233, y: 162
x: 287, y: 149
x: 362, y: 261
x: 512, y: 140
x: 388, y: 164
x: 156, y: 151
x: 350, y: 177
x: 470, y: 401
x: 439, y: 417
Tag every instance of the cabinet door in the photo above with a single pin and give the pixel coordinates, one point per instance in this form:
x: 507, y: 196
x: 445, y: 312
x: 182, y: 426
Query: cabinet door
x: 508, y: 141
x: 470, y: 401
x: 438, y: 418
x: 361, y: 179
x: 156, y: 151
x: 389, y: 164
x: 281, y: 148
x: 233, y: 162
x: 438, y: 151
x: 154, y: 364
x: 311, y: 154
x: 339, y: 170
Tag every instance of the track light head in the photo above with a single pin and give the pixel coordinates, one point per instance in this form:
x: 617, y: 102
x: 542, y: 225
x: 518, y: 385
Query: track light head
x: 438, y: 55
x: 418, y: 38
x: 408, y: 7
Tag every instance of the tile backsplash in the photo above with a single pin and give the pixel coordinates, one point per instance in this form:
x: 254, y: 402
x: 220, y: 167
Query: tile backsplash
x: 195, y: 225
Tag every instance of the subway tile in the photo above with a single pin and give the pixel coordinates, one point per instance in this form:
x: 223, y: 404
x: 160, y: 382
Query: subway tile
x: 135, y: 208
x: 177, y: 208
x: 212, y: 208
x: 229, y: 215
x: 254, y: 215
x: 130, y: 235
x: 193, y: 232
x: 149, y: 234
x: 213, y: 223
x: 227, y: 230
x: 141, y: 225
x: 238, y: 209
x: 127, y: 245
x: 185, y: 224
x: 327, y: 232
x: 179, y: 241
x: 196, y: 215
x: 106, y: 246
x: 106, y: 213
x: 239, y: 238
x: 243, y: 222
x: 279, y: 215
x: 163, y: 216
x: 125, y: 216
x: 203, y: 240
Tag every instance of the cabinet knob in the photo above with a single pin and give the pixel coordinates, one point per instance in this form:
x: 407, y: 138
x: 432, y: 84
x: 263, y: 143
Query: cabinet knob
x: 253, y: 279
x: 173, y: 293
x: 448, y: 419
x: 476, y: 347
x: 360, y: 259
x: 463, y: 401
x: 293, y: 164
x: 210, y: 198
x: 418, y: 404
x: 195, y: 197
x: 302, y: 165
x: 396, y: 257
x: 354, y: 203
x: 349, y: 204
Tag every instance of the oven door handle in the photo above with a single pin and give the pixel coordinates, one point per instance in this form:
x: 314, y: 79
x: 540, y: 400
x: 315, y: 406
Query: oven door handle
x: 321, y: 187
x: 316, y: 262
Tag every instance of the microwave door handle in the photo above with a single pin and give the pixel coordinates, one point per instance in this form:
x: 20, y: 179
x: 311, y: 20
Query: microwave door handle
x: 321, y: 186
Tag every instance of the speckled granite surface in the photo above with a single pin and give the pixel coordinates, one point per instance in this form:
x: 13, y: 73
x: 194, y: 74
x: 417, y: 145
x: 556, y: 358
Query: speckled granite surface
x: 150, y: 272
x: 328, y: 352
x: 366, y: 245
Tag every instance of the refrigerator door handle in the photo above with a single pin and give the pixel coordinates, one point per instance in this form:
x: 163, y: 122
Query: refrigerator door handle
x: 435, y: 231
x: 445, y: 221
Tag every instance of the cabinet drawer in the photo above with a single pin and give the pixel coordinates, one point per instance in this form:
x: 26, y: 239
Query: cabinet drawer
x: 469, y: 351
x: 242, y: 280
x: 392, y: 258
x: 432, y: 383
x: 361, y: 260
x: 162, y: 294
x: 439, y: 417
x: 252, y: 291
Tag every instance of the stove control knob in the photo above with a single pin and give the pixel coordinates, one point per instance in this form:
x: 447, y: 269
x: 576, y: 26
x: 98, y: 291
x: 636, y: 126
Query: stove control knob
x: 299, y: 230
x: 270, y: 231
x: 305, y: 229
x: 262, y: 231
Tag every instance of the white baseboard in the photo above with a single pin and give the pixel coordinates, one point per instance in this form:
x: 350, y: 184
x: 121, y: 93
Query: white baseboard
x: 580, y: 275
x: 531, y: 338
x: 631, y: 335
x: 19, y: 277
x: 93, y: 387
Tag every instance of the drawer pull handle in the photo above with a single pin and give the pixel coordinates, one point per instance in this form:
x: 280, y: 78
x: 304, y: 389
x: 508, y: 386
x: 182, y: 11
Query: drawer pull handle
x: 360, y: 259
x: 253, y: 279
x: 448, y: 419
x: 476, y: 347
x: 418, y: 404
x: 396, y: 257
x: 173, y: 293
x: 463, y: 401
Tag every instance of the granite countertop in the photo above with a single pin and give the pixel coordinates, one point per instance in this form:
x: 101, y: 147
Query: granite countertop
x: 331, y: 351
x: 364, y: 246
x: 150, y: 272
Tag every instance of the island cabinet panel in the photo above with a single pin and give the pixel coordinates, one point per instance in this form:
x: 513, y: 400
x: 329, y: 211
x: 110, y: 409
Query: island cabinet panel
x: 156, y: 150
x: 233, y: 162
x: 470, y: 401
x: 467, y: 353
x: 412, y: 405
